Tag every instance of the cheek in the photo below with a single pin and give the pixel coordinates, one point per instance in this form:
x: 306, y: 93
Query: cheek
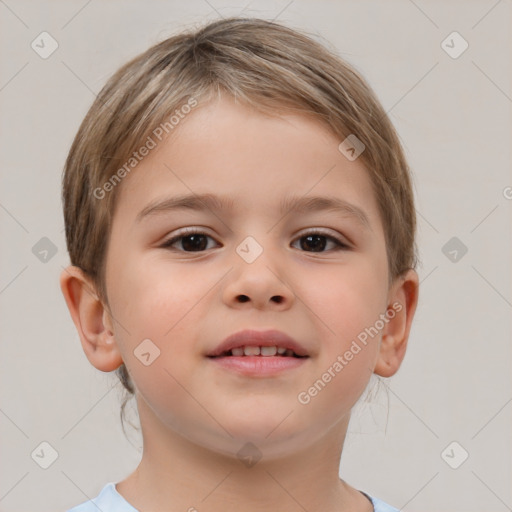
x: 347, y: 304
x: 153, y: 298
x: 348, y: 299
x: 346, y: 359
x: 154, y: 309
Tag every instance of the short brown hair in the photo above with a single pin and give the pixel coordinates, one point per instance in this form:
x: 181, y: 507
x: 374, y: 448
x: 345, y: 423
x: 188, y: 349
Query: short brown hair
x: 260, y: 63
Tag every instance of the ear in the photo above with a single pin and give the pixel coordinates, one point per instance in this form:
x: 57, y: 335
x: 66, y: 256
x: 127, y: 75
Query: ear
x: 92, y: 319
x: 402, y: 302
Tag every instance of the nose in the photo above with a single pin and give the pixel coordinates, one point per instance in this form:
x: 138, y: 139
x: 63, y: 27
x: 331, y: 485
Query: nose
x: 260, y: 284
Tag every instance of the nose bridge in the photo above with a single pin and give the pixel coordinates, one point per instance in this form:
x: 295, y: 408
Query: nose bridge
x: 259, y: 275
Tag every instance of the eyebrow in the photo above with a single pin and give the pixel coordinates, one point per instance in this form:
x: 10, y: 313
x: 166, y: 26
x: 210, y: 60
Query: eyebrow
x: 293, y: 204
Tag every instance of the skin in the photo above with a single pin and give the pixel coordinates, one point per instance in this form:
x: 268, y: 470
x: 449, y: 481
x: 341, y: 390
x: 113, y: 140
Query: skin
x: 195, y: 416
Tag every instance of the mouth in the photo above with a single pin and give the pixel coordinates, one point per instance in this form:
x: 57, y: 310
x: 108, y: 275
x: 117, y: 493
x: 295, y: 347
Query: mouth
x: 255, y: 353
x: 260, y: 351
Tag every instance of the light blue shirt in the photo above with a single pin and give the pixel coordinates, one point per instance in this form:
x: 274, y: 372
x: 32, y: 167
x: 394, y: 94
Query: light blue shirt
x: 109, y: 500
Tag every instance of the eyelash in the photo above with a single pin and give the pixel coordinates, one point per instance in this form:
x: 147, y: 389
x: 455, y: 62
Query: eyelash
x: 193, y: 231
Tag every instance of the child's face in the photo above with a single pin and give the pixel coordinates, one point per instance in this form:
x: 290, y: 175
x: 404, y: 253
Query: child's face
x: 189, y: 297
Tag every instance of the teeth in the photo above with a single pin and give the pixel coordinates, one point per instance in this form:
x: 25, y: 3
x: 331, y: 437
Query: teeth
x: 268, y: 351
x: 251, y: 351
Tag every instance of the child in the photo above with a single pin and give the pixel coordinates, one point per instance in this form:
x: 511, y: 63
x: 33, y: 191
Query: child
x: 247, y: 351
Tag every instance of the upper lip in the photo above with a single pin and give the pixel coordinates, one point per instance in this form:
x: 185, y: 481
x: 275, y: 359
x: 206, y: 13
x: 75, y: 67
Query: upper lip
x: 269, y: 338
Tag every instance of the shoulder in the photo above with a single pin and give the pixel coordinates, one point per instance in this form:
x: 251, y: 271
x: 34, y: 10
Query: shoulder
x: 380, y: 506
x: 108, y: 500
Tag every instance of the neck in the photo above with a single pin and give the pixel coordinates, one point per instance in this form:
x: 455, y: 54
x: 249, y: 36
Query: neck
x: 177, y: 474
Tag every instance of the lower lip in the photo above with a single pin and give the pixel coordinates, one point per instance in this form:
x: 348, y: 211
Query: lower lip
x: 259, y: 365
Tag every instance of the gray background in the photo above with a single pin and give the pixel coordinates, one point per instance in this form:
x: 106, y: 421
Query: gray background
x: 454, y: 118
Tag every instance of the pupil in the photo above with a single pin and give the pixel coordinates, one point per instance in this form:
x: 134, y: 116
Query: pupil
x: 318, y: 243
x: 196, y: 242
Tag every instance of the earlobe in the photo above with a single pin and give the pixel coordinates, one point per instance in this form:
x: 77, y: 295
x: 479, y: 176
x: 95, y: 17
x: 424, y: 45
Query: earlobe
x: 402, y: 302
x: 91, y: 318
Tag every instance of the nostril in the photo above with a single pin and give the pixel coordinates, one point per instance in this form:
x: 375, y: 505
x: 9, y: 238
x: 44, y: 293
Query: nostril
x: 276, y: 298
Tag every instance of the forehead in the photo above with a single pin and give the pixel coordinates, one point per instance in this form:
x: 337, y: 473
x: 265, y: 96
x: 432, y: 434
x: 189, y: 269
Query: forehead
x: 252, y: 159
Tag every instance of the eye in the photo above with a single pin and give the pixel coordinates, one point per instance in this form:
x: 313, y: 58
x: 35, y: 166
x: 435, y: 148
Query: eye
x: 193, y: 240
x: 317, y: 241
x: 190, y: 240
